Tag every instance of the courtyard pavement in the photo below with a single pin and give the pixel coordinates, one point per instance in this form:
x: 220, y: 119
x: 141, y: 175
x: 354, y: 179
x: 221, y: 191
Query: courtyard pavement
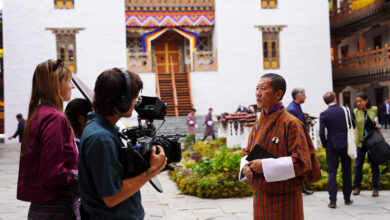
x: 172, y: 205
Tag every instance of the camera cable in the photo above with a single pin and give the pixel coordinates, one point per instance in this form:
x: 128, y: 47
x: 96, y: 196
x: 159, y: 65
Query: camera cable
x: 153, y: 171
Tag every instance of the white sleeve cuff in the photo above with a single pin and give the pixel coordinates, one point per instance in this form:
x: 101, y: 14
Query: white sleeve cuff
x: 241, y: 176
x: 279, y: 169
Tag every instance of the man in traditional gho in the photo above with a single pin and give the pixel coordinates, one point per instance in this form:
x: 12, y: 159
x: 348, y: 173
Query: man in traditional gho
x: 209, y: 131
x: 191, y: 121
x: 277, y: 183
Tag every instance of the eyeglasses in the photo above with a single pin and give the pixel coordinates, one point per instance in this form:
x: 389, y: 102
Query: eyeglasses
x: 138, y: 101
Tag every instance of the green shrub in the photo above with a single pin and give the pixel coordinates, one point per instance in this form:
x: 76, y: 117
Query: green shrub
x: 189, y: 140
x: 215, y: 176
x: 208, y: 148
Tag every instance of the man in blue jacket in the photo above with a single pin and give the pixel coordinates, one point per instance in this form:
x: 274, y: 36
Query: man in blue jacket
x: 335, y: 141
x: 294, y: 108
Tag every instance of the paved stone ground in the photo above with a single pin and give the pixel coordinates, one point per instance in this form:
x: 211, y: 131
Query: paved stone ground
x: 171, y: 205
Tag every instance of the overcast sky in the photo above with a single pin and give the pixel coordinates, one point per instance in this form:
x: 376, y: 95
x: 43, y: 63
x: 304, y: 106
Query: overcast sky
x: 1, y: 4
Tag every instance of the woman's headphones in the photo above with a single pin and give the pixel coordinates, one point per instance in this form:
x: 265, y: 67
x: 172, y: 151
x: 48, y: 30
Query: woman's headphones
x: 124, y: 101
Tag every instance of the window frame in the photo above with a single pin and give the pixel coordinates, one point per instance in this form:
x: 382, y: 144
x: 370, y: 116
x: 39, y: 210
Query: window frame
x: 64, y: 4
x: 269, y: 4
x: 67, y: 41
x: 272, y: 60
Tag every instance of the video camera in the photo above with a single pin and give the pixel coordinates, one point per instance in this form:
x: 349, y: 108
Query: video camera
x: 140, y: 139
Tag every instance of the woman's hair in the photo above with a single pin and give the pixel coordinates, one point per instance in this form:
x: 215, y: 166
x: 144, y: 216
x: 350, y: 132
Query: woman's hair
x: 45, y: 90
x: 110, y: 86
x: 76, y: 108
x: 364, y: 96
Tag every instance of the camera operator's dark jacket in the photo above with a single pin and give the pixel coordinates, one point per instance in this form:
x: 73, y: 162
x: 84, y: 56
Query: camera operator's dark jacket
x: 100, y: 172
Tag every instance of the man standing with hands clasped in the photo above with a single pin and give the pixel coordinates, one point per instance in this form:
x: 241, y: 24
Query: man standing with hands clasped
x: 277, y: 192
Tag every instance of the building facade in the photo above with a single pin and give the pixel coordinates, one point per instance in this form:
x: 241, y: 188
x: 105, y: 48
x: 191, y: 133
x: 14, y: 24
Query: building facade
x: 191, y: 53
x: 236, y: 43
x: 360, y: 32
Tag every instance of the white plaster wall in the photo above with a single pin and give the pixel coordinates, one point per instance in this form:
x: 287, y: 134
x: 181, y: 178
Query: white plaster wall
x: 304, y: 53
x: 100, y: 46
x: 234, y: 138
x: 149, y: 81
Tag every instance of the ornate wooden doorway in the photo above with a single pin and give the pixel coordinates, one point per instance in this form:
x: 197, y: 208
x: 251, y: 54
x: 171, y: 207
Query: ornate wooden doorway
x: 172, y: 78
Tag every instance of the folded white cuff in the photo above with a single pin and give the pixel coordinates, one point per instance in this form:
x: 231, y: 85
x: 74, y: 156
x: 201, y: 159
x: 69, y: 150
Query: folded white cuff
x: 241, y: 176
x: 279, y: 169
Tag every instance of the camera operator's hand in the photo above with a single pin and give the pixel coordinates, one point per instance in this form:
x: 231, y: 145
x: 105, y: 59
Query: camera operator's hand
x: 157, y: 161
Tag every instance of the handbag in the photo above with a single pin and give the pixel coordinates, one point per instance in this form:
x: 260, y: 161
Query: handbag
x: 350, y: 134
x: 378, y: 148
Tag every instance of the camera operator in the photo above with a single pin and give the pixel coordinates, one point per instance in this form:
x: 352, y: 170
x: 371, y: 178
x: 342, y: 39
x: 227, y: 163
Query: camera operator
x: 105, y: 195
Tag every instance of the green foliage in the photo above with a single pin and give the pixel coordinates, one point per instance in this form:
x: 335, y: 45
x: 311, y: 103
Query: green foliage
x: 215, y: 176
x: 322, y: 185
x: 208, y: 148
x: 189, y: 140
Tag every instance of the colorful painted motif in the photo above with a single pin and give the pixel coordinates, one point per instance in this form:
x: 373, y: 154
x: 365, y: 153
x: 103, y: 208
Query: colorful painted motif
x: 358, y: 4
x: 148, y: 37
x: 170, y: 19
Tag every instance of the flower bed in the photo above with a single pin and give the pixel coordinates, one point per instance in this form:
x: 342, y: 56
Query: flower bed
x: 214, y: 175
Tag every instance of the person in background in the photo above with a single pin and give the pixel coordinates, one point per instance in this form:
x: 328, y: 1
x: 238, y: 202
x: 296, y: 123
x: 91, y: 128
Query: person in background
x: 19, y: 131
x: 294, y: 108
x: 191, y: 124
x: 209, y: 125
x: 335, y: 141
x: 241, y: 108
x: 48, y: 173
x: 366, y: 117
x: 386, y: 113
x: 76, y: 111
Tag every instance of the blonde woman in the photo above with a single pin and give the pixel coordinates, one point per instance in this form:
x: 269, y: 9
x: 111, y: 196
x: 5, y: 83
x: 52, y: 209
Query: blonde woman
x: 48, y: 175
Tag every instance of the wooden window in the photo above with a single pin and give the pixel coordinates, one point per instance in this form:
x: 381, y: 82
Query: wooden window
x: 271, y: 50
x: 66, y: 50
x: 268, y: 3
x: 64, y: 4
x: 204, y: 43
x: 134, y: 44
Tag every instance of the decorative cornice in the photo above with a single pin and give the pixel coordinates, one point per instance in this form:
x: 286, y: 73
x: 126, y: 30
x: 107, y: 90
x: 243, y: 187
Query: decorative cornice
x: 270, y: 28
x: 170, y: 5
x: 170, y: 19
x: 65, y: 31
